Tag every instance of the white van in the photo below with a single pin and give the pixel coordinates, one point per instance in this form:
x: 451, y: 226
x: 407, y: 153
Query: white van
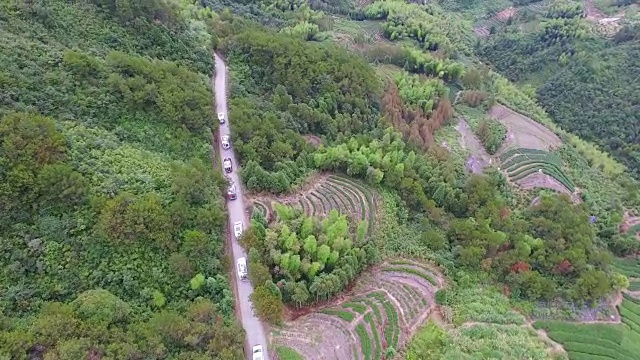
x: 242, y: 268
x: 238, y: 228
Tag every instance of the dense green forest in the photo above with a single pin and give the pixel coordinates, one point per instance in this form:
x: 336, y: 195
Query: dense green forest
x: 112, y: 223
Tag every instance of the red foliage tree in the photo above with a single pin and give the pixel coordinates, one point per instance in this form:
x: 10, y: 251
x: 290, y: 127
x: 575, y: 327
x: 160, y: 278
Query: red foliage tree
x: 564, y: 267
x: 520, y: 266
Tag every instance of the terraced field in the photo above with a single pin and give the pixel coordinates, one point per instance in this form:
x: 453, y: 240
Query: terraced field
x: 383, y: 311
x: 534, y: 168
x: 600, y: 341
x: 328, y: 192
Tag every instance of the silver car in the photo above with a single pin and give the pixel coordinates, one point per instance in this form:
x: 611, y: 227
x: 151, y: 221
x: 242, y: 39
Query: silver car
x: 225, y: 142
x: 221, y: 118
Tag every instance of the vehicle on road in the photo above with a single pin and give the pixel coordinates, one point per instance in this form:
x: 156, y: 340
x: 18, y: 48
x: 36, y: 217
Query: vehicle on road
x: 257, y: 353
x: 226, y: 163
x: 225, y: 142
x: 232, y: 193
x: 242, y: 268
x: 238, y: 229
x: 221, y: 118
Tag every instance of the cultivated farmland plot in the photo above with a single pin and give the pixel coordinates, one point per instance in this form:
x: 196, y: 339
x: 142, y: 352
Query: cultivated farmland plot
x: 327, y: 192
x: 384, y: 309
x: 600, y: 341
x: 524, y: 132
x: 525, y: 155
x: 534, y: 168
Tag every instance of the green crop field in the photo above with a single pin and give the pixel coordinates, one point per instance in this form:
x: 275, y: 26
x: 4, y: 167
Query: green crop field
x: 520, y: 163
x: 628, y: 267
x: 600, y: 341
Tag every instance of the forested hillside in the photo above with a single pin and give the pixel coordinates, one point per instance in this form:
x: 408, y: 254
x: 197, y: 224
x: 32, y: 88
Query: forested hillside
x: 586, y: 81
x: 111, y: 229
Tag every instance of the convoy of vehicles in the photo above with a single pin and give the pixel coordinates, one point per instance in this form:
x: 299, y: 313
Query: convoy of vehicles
x: 238, y: 226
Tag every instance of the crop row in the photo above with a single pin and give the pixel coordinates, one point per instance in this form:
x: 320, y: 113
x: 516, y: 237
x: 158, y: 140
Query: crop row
x: 628, y: 267
x: 374, y: 332
x: 550, y: 158
x: 406, y: 303
x: 357, y: 307
x: 412, y: 271
x: 342, y: 194
x: 260, y: 208
x: 392, y: 329
x: 634, y: 285
x: 370, y: 205
x: 365, y: 341
x: 337, y: 192
x: 515, y: 151
x: 342, y: 314
x: 559, y: 176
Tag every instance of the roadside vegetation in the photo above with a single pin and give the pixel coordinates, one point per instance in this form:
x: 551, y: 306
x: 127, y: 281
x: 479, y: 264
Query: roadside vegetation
x: 112, y: 224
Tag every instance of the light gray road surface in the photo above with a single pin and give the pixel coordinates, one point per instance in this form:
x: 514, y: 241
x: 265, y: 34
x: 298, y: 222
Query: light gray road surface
x: 252, y: 325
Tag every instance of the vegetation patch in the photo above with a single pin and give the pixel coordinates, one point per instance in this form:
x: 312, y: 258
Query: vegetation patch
x: 112, y: 223
x: 308, y: 258
x: 286, y: 353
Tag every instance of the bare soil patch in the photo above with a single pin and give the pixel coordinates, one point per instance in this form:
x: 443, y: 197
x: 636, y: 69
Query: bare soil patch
x: 523, y: 131
x: 479, y: 158
x: 541, y: 180
x: 482, y: 31
x: 629, y: 220
x: 313, y: 140
x: 506, y: 14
